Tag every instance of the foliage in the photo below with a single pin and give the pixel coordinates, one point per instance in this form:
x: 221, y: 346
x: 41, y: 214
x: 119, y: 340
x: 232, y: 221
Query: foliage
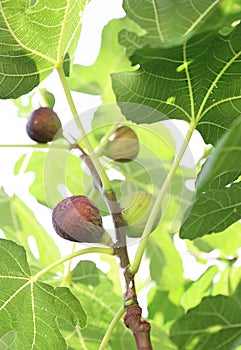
x: 165, y: 65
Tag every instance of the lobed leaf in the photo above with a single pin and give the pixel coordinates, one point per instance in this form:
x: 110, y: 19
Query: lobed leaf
x: 217, y: 203
x: 224, y: 160
x: 197, y: 82
x: 30, y: 308
x: 212, y: 211
x: 173, y: 22
x: 213, y: 324
x: 34, y: 40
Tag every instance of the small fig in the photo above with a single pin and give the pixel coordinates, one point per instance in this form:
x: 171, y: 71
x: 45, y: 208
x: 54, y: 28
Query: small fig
x: 123, y: 145
x: 47, y: 97
x: 43, y: 124
x: 78, y: 219
x: 136, y: 211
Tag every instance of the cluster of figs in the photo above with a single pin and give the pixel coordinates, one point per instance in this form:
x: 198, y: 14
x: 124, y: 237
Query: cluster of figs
x: 77, y: 218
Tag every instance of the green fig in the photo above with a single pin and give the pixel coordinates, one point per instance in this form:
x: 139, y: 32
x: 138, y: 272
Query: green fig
x: 43, y: 125
x: 136, y: 209
x: 47, y: 97
x: 78, y: 219
x: 123, y: 145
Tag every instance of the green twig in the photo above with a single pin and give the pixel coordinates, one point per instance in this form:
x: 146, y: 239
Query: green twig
x: 111, y: 327
x: 85, y: 141
x: 56, y: 263
x: 156, y: 208
x: 67, y: 277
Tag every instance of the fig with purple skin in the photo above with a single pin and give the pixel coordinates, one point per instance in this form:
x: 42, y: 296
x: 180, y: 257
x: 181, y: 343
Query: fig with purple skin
x: 78, y: 219
x: 123, y: 145
x: 43, y: 125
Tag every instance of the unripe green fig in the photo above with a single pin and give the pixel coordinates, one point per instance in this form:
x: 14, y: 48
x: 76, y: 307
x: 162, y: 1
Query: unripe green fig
x: 123, y: 145
x: 78, y: 219
x: 43, y: 124
x: 47, y: 97
x: 136, y: 209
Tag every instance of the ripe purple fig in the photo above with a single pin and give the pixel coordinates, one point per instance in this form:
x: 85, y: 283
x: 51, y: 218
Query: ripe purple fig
x: 43, y: 125
x: 78, y: 219
x: 123, y: 145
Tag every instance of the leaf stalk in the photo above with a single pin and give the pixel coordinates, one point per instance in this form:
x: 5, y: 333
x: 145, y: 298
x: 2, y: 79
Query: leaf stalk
x: 58, y: 262
x: 85, y: 141
x: 111, y: 328
x: 156, y: 208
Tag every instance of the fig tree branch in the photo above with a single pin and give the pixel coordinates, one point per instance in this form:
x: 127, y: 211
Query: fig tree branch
x: 132, y: 319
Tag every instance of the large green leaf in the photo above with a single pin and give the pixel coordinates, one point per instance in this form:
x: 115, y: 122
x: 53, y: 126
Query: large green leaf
x: 30, y: 308
x: 34, y: 40
x: 217, y: 203
x: 224, y: 160
x: 172, y: 22
x: 197, y: 82
x: 212, y: 211
x: 213, y: 324
x: 19, y: 224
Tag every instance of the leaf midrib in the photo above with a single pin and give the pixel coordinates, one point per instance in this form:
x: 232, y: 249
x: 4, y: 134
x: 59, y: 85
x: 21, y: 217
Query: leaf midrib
x: 201, y: 17
x: 202, y: 110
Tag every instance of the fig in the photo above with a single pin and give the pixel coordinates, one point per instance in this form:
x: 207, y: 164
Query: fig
x: 43, y: 124
x: 123, y: 145
x: 136, y: 208
x: 78, y: 219
x: 47, y: 97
